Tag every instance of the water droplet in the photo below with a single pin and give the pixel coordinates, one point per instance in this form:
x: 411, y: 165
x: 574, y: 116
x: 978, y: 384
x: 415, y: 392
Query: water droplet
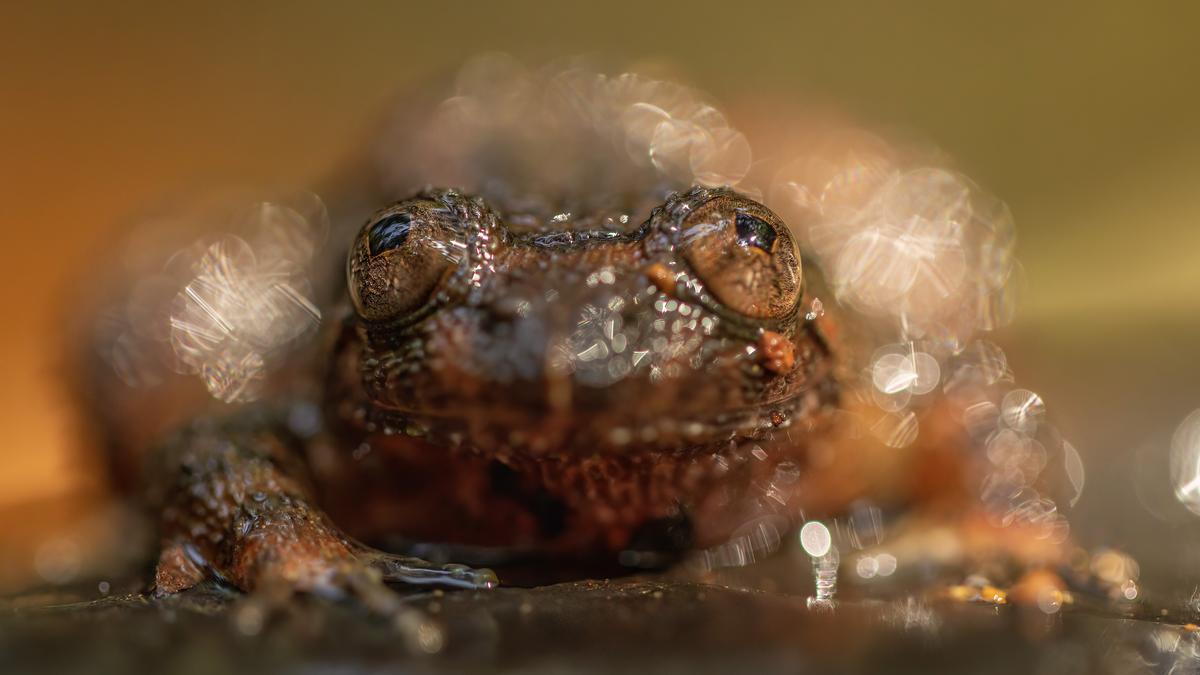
x: 815, y: 538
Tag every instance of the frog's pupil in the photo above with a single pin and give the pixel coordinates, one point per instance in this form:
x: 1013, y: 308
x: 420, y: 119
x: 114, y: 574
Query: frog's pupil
x: 389, y: 233
x: 753, y: 231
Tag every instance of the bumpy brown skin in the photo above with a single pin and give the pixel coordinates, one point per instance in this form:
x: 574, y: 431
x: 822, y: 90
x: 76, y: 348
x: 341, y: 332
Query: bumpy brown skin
x: 240, y: 510
x: 559, y: 390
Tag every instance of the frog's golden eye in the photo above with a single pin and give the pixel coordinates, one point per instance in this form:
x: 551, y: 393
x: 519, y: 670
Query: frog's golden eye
x: 400, y: 258
x: 744, y: 254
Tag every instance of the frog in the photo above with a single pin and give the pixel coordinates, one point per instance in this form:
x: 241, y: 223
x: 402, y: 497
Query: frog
x: 576, y: 392
x: 542, y: 345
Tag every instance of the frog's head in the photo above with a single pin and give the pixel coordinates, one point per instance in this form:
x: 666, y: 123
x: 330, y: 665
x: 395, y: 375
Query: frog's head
x: 585, y: 333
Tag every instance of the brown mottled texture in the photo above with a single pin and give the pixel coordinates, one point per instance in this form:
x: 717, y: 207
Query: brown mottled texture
x: 235, y: 511
x: 235, y: 504
x: 520, y: 388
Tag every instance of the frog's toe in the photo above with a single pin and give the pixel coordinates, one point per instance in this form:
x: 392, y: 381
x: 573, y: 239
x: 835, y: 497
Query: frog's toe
x: 176, y: 570
x: 410, y: 570
x: 276, y: 598
x: 308, y: 552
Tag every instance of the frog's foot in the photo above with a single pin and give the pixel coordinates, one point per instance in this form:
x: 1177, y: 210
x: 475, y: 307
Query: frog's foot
x: 240, y: 511
x: 274, y: 598
x: 966, y: 556
x: 284, y: 544
x: 275, y: 566
x: 974, y: 558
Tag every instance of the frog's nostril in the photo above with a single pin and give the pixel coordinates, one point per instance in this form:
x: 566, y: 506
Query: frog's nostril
x: 662, y: 277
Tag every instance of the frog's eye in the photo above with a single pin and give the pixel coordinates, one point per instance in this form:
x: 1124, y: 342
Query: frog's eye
x: 744, y: 254
x: 399, y: 259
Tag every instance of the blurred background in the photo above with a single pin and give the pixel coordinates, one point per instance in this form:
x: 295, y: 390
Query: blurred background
x: 1083, y: 118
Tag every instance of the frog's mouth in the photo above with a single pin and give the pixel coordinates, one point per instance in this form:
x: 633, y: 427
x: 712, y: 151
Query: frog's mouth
x: 665, y: 406
x: 551, y: 435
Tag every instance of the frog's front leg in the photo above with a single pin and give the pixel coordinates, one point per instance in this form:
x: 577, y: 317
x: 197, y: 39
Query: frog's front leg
x: 235, y: 505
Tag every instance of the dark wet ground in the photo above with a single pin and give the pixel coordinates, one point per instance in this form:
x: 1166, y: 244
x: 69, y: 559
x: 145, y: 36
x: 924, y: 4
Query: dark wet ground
x: 637, y: 624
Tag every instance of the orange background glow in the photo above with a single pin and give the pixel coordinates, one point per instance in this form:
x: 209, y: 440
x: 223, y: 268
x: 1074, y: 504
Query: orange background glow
x: 1085, y: 122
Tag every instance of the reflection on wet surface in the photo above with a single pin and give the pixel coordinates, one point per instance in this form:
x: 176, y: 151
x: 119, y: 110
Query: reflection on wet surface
x: 658, y: 624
